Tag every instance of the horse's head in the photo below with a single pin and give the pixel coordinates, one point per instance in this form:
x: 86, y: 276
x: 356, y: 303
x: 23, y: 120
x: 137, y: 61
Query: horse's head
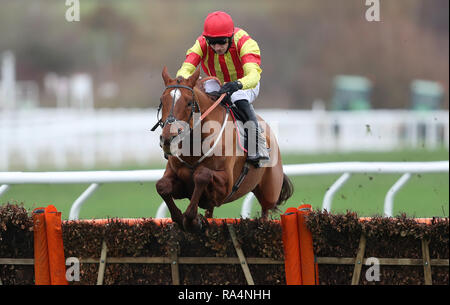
x: 178, y: 106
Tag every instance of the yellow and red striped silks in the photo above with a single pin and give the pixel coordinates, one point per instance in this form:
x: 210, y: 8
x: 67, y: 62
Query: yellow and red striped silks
x: 242, y: 61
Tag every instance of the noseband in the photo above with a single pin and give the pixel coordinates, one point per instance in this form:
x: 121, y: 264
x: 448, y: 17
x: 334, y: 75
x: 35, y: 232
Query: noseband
x: 171, y: 118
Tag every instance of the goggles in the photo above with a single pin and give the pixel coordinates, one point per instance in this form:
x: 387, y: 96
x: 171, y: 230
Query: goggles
x: 220, y: 40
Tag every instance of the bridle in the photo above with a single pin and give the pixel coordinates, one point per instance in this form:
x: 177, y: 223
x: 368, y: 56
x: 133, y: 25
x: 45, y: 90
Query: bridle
x: 194, y: 108
x: 171, y: 118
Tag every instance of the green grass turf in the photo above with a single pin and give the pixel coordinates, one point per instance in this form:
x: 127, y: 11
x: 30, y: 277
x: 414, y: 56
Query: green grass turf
x: 425, y: 195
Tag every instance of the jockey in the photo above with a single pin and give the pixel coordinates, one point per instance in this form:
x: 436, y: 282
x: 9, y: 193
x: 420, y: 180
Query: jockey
x: 232, y: 56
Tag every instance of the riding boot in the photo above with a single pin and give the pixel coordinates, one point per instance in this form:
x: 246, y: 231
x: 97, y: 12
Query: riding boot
x: 261, y: 152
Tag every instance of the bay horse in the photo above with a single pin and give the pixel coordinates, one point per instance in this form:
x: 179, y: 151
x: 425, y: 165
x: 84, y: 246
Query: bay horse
x: 210, y: 180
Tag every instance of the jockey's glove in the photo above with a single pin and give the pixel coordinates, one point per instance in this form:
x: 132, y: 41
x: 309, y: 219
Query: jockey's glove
x: 231, y: 87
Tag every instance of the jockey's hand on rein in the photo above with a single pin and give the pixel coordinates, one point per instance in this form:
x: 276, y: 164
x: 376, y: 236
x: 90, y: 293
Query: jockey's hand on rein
x: 231, y: 87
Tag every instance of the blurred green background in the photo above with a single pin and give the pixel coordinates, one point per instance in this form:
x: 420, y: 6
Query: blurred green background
x: 304, y: 44
x: 424, y: 195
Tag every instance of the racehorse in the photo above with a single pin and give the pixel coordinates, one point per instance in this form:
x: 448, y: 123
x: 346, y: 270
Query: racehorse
x: 210, y: 180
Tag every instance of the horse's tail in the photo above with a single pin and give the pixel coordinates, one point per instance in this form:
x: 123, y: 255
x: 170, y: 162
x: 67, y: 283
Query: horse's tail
x: 287, y: 189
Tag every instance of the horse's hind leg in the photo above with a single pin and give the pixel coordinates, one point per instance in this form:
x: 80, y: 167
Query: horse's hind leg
x: 266, y: 203
x: 268, y: 190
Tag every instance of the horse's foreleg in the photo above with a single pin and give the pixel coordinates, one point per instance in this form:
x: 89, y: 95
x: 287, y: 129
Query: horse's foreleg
x: 202, y: 177
x: 165, y: 188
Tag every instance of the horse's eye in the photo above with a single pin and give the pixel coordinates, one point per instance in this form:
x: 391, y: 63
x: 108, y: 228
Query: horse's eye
x: 189, y: 104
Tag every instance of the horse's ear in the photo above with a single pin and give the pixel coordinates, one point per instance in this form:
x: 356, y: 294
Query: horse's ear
x: 194, y: 77
x: 165, y: 76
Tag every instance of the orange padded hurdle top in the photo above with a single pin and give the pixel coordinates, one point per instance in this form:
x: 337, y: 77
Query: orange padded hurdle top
x: 161, y: 221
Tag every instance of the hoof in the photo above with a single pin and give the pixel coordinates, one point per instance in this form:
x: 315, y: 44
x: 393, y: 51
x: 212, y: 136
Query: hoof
x: 193, y: 225
x: 179, y: 222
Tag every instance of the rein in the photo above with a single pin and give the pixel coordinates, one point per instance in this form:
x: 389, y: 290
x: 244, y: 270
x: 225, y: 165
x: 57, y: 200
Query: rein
x: 213, y: 106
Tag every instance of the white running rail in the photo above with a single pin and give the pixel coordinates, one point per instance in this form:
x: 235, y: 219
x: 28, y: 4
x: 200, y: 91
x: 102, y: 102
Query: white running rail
x: 67, y: 138
x: 97, y: 178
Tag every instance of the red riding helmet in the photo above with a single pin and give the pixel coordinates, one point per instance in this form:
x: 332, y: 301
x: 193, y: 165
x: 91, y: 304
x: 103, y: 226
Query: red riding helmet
x: 218, y: 24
